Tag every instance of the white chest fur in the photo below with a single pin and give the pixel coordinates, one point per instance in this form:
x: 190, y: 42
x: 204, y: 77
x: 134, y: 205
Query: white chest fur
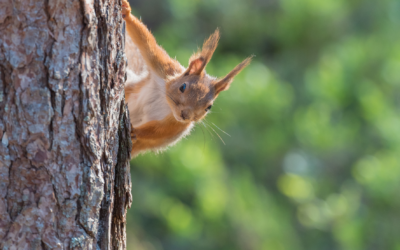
x: 150, y: 102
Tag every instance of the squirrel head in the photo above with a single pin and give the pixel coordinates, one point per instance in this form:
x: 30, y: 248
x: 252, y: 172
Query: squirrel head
x: 191, y: 94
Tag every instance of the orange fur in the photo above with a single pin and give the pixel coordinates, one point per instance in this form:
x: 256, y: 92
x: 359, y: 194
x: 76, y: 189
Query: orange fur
x: 189, y: 93
x: 157, y: 134
x: 153, y: 54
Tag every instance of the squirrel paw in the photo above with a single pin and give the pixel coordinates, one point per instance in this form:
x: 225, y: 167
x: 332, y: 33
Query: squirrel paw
x: 133, y: 134
x: 126, y: 9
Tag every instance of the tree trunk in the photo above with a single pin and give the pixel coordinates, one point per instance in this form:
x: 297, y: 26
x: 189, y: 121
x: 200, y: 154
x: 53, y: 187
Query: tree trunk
x: 64, y: 127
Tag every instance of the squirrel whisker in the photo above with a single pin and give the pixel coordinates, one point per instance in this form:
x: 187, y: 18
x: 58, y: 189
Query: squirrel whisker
x: 221, y: 130
x: 184, y: 96
x: 215, y: 132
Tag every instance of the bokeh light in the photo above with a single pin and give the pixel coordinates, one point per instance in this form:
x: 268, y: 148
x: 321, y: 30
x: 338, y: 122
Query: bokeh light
x: 311, y: 161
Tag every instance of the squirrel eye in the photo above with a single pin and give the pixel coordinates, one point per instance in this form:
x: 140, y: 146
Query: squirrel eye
x: 182, y: 88
x: 208, y: 108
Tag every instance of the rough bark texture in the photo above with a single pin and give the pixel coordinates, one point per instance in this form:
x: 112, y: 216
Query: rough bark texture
x: 64, y: 127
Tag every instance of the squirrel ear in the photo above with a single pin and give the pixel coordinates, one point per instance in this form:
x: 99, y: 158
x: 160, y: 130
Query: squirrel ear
x: 225, y: 82
x: 198, y: 61
x: 196, y: 66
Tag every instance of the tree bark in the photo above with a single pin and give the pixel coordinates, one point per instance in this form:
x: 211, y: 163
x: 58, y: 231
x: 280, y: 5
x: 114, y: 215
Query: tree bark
x: 64, y: 126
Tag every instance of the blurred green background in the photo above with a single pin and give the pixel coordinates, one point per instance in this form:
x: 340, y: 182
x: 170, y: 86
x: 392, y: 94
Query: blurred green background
x: 312, y: 162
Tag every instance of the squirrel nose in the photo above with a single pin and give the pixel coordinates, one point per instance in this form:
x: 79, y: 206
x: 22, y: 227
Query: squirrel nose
x: 184, y: 115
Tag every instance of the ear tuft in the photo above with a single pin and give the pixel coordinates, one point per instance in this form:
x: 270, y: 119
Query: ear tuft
x: 210, y: 45
x: 225, y: 82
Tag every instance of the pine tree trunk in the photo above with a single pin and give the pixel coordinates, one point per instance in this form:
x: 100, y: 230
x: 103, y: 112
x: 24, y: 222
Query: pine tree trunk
x: 64, y: 126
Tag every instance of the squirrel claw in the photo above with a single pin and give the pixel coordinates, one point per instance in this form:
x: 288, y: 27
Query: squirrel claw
x: 126, y: 9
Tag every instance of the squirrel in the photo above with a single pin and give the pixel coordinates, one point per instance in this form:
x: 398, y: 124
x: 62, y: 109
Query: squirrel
x: 165, y: 104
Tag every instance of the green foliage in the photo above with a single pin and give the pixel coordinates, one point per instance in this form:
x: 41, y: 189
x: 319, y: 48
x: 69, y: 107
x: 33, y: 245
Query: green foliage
x: 313, y: 158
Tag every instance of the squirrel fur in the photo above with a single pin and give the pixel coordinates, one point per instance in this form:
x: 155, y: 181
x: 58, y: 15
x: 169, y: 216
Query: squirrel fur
x: 165, y: 103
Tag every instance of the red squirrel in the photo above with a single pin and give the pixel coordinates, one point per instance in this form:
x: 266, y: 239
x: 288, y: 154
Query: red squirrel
x: 165, y: 104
